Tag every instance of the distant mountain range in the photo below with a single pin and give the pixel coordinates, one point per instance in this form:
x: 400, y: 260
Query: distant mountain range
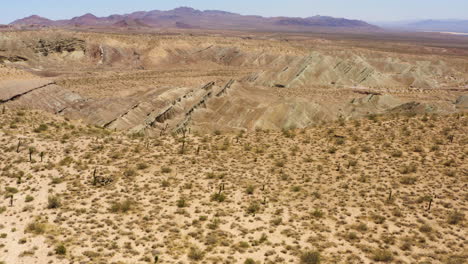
x: 452, y: 25
x: 185, y: 17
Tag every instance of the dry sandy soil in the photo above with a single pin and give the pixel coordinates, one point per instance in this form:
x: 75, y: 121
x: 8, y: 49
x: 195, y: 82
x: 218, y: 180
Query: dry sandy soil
x: 382, y: 189
x: 231, y: 147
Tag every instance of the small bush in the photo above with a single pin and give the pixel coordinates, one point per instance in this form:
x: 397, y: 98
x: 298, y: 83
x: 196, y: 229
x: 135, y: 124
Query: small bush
x: 397, y: 154
x: 53, y: 202
x: 455, y: 218
x: 11, y: 190
x: 407, y: 169
x: 296, y: 188
x: 36, y: 227
x: 122, y: 207
x: 41, y: 128
x: 142, y: 166
x: 182, y: 202
x: 250, y: 189
x: 425, y: 228
x: 29, y: 198
x: 310, y: 257
x: 196, y: 254
x: 378, y: 219
x: 253, y: 208
x: 382, y: 255
x: 166, y: 170
x: 249, y: 261
x: 332, y: 150
x: 129, y: 172
x: 317, y: 213
x: 408, y: 180
x: 218, y: 197
x: 60, y: 250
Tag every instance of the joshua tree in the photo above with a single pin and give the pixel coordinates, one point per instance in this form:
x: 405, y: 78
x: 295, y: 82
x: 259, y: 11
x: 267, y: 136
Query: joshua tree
x: 19, y: 145
x: 94, y: 177
x: 31, y: 151
x: 430, y: 203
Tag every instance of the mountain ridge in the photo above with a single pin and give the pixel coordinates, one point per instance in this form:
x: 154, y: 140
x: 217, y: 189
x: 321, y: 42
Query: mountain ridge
x: 207, y: 19
x: 435, y: 25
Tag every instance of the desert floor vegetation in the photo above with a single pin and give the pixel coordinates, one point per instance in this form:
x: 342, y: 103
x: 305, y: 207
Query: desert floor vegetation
x: 377, y: 193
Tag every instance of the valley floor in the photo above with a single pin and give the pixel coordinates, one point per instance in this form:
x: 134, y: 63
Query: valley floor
x: 380, y: 189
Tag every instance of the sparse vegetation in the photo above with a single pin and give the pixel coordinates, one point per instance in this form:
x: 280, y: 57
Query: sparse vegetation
x: 310, y: 257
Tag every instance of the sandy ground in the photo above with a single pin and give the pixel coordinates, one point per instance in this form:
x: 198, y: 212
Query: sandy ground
x: 350, y: 191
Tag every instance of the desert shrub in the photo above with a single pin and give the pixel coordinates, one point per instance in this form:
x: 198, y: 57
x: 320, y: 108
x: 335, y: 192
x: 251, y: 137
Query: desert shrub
x: 317, y: 213
x: 378, y: 219
x: 397, y: 153
x: 418, y: 149
x: 361, y: 227
x: 11, y: 190
x: 244, y: 244
x: 279, y: 163
x: 165, y: 183
x: 218, y: 197
x: 455, y: 217
x: 250, y: 189
x: 276, y: 221
x: 122, y: 207
x: 53, y: 202
x: 296, y: 188
x: 408, y: 180
x: 253, y: 208
x: 435, y: 148
x: 214, y: 223
x: 196, y: 254
x: 41, y: 128
x: 456, y: 259
x: 332, y: 150
x: 129, y: 172
x: 449, y: 162
x: 182, y: 202
x: 166, y: 170
x: 310, y: 257
x: 353, y: 151
x: 36, y: 227
x: 340, y: 141
x: 425, y: 228
x: 382, y: 255
x: 142, y: 166
x: 288, y: 133
x: 352, y: 163
x: 352, y: 236
x: 29, y: 198
x: 249, y: 261
x: 66, y: 161
x: 425, y: 198
x: 407, y: 169
x: 60, y: 250
x: 450, y: 173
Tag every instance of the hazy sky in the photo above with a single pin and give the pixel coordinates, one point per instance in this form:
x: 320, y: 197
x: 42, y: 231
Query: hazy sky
x: 369, y: 10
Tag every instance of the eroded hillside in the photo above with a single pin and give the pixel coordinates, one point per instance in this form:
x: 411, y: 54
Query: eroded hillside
x: 154, y: 83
